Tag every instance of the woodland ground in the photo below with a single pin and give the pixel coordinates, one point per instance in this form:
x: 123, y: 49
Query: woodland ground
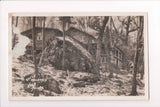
x: 118, y: 85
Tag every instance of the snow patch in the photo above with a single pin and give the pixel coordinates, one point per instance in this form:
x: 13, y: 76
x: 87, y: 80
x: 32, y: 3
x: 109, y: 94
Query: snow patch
x: 20, y: 48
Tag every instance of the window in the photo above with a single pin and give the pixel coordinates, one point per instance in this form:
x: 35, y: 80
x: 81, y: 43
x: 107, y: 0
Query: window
x: 117, y: 54
x: 39, y: 36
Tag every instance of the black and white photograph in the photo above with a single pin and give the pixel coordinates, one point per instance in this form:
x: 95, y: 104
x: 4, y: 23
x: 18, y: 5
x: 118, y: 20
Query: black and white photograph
x: 81, y: 56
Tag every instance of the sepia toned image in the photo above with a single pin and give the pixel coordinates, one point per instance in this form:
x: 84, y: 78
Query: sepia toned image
x: 78, y: 56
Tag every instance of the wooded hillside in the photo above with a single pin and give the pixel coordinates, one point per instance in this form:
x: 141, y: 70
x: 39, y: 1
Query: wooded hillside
x: 75, y: 55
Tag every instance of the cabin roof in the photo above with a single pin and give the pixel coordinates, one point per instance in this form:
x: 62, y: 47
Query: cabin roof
x: 73, y: 30
x: 39, y: 29
x: 88, y: 30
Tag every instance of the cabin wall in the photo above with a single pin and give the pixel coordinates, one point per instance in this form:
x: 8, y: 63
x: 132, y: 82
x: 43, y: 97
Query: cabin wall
x: 117, y: 58
x: 48, y: 35
x: 115, y: 63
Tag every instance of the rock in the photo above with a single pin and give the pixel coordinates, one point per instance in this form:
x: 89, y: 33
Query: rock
x: 80, y: 84
x: 47, y: 82
x: 61, y: 81
x: 14, y: 69
x: 111, y: 75
x: 83, y: 79
x: 53, y: 85
x: 22, y: 58
x: 93, y: 79
x: 120, y: 93
x: 75, y: 60
x: 16, y: 75
x: 27, y: 88
x: 49, y: 93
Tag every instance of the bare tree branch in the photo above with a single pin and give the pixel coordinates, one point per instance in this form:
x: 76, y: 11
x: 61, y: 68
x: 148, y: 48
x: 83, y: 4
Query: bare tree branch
x: 114, y: 26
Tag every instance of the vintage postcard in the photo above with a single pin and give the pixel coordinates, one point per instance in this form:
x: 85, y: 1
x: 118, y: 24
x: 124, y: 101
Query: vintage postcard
x: 78, y: 56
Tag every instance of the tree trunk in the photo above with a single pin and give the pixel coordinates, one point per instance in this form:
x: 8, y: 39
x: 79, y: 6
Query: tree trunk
x: 14, y: 35
x: 99, y: 44
x: 43, y: 42
x: 127, y: 30
x: 98, y: 52
x: 108, y: 46
x: 63, y: 60
x: 88, y: 44
x: 134, y: 83
x: 36, y: 93
x: 16, y: 21
x: 139, y: 37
